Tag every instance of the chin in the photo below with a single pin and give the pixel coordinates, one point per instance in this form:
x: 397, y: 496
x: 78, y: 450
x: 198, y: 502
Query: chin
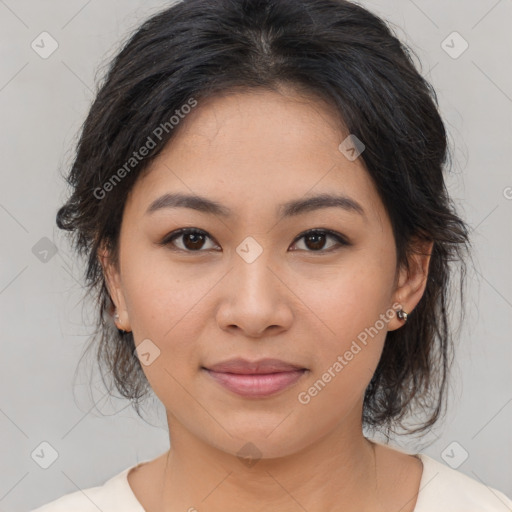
x: 267, y: 438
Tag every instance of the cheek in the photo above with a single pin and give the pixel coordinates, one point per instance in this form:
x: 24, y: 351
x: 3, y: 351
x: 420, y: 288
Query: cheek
x: 163, y: 307
x: 353, y: 297
x: 162, y: 297
x: 347, y: 359
x: 354, y: 309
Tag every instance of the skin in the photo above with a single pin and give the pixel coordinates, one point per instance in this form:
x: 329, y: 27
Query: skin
x: 299, y: 302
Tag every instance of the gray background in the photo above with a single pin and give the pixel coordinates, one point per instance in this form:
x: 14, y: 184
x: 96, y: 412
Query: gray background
x: 44, y: 324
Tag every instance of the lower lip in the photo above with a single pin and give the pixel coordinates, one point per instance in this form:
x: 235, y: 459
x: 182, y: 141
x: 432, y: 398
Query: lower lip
x: 256, y: 385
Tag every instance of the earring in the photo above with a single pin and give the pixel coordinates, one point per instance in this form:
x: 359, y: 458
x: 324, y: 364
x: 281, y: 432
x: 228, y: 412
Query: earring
x: 402, y: 315
x: 116, y: 317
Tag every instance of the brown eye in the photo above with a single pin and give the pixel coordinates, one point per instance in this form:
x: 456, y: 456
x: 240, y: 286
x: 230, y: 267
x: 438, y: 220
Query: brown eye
x: 192, y: 240
x: 315, y: 240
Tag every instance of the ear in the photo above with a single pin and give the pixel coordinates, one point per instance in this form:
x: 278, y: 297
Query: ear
x: 115, y: 289
x: 411, y: 283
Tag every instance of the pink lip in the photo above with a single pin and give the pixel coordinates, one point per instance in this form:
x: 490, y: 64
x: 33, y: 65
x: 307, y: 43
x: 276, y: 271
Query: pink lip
x: 255, y: 379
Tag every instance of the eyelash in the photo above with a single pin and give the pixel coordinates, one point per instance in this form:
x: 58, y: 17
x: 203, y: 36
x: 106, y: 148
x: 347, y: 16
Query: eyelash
x: 169, y: 239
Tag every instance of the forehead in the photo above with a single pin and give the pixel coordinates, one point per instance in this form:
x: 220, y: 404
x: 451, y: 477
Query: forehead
x: 252, y: 150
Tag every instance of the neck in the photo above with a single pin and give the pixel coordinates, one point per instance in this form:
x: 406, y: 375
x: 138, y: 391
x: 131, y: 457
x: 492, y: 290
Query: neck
x: 338, y: 468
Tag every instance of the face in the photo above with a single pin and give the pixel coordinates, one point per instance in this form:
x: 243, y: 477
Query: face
x: 314, y: 286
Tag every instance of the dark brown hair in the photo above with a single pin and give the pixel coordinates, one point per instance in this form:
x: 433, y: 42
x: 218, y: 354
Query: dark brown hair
x: 335, y: 50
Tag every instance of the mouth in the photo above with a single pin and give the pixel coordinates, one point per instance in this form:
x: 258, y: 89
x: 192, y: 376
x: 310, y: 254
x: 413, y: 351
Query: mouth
x: 256, y: 379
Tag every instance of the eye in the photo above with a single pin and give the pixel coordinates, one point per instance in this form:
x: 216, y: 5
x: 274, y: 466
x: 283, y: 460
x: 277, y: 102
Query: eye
x: 193, y: 239
x: 316, y: 239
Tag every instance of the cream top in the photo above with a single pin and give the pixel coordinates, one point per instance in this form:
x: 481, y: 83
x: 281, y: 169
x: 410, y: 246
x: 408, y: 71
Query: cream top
x: 442, y: 489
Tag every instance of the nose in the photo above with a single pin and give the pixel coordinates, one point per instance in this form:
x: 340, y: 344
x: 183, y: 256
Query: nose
x: 255, y: 299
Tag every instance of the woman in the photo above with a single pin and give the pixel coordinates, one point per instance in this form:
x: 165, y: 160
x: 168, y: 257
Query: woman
x: 259, y: 192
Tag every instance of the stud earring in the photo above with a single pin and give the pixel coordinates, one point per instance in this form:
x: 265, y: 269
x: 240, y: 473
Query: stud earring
x: 402, y: 315
x: 116, y: 317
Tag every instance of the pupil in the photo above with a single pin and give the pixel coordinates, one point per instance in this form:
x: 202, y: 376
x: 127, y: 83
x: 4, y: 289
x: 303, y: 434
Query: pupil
x: 196, y: 239
x: 317, y: 244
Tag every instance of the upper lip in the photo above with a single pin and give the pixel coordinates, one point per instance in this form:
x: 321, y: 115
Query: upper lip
x: 261, y: 366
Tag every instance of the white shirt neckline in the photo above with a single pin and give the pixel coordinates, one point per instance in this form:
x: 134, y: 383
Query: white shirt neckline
x: 429, y: 472
x: 441, y: 488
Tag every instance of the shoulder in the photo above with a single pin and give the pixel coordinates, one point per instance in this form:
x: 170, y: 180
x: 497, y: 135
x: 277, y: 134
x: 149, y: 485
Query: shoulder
x: 115, y: 494
x: 444, y: 489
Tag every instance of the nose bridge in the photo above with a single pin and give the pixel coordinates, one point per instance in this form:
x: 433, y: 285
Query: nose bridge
x: 251, y: 268
x: 255, y: 298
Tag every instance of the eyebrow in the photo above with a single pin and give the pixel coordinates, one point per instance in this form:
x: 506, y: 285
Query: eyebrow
x: 288, y: 209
